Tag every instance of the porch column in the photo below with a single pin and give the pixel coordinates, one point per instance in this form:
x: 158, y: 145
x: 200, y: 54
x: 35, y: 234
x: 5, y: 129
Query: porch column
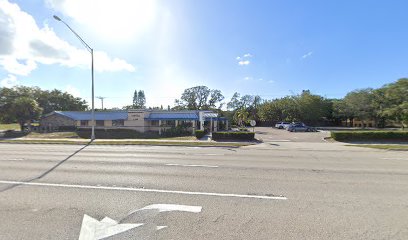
x: 194, y: 126
x: 160, y: 127
x: 201, y: 125
x: 216, y: 126
x: 176, y: 122
x: 226, y: 125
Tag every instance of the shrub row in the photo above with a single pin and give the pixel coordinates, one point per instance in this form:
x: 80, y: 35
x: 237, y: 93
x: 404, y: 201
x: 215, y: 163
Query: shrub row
x: 115, y: 134
x: 233, y: 136
x: 369, y: 135
x: 200, y: 133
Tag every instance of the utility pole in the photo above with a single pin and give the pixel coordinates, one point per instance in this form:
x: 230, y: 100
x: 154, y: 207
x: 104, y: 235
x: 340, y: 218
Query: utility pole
x: 101, y: 98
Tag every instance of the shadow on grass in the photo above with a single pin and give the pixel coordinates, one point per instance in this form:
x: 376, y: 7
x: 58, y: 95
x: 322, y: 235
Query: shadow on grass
x: 49, y: 170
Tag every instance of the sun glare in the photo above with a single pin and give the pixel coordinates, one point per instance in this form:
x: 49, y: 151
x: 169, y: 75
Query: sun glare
x: 115, y: 20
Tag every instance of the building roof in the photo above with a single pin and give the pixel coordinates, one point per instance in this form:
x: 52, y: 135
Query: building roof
x: 123, y: 115
x: 111, y: 115
x: 172, y: 116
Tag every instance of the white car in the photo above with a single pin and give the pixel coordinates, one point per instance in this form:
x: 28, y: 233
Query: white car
x: 282, y: 125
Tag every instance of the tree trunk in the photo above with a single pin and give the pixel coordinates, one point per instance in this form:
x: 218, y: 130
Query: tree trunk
x: 21, y: 126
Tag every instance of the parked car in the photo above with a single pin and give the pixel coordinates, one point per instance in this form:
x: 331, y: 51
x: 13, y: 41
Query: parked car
x: 300, y: 127
x: 282, y: 125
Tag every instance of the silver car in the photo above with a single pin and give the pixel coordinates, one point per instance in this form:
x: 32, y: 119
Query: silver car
x: 300, y: 127
x: 282, y: 125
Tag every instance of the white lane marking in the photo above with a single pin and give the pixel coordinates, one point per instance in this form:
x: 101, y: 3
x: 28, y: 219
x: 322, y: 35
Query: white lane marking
x: 145, y: 190
x: 92, y: 229
x: 190, y: 165
x: 160, y: 227
x: 278, y: 140
x: 206, y: 154
x: 393, y: 158
x: 13, y: 159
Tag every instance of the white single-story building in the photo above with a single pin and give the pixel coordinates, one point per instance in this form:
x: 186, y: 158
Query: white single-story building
x: 140, y: 120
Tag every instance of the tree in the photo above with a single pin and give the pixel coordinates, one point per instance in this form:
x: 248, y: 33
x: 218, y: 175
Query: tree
x: 135, y: 98
x: 313, y: 108
x: 24, y: 110
x: 199, y: 98
x: 359, y: 103
x: 250, y: 103
x: 139, y: 99
x: 396, y: 101
x: 54, y: 100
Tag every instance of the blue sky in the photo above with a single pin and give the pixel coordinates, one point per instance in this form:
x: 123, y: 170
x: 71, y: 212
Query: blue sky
x: 269, y: 48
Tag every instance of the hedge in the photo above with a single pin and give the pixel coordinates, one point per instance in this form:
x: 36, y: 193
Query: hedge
x: 199, y: 134
x: 67, y: 128
x: 115, y: 134
x: 233, y: 136
x: 369, y: 135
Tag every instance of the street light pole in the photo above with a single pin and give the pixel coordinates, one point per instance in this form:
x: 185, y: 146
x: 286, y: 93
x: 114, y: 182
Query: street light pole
x: 90, y: 50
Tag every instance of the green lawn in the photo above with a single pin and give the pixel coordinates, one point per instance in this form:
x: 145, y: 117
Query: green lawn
x: 52, y: 135
x: 10, y: 126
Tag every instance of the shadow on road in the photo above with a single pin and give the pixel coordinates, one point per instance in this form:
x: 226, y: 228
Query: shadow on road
x: 49, y: 170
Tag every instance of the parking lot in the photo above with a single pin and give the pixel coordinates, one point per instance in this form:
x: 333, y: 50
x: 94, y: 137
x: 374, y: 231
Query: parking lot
x: 269, y: 134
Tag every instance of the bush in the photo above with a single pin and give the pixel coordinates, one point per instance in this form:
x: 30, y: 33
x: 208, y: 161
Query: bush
x: 178, y: 131
x: 199, y: 134
x: 369, y: 135
x: 248, y: 136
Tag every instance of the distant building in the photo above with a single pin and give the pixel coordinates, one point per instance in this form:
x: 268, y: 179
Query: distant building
x: 140, y: 120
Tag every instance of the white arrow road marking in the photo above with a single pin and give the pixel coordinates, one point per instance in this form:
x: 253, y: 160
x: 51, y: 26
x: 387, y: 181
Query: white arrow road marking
x: 93, y: 229
x: 190, y: 165
x: 170, y: 207
x: 231, y: 195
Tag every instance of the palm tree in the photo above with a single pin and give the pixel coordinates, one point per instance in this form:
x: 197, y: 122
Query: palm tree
x: 241, y: 115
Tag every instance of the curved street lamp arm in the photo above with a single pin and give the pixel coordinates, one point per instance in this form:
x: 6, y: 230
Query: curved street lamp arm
x: 76, y: 34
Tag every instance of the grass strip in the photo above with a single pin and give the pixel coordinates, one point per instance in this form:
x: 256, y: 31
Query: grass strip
x: 382, y: 146
x: 155, y: 143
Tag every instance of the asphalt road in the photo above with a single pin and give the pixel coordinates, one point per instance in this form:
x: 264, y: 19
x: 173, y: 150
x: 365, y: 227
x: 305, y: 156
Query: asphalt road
x: 281, y: 189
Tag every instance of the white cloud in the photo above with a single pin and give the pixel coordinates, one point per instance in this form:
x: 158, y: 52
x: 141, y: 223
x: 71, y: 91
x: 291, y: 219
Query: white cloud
x: 244, y: 62
x: 248, y: 78
x: 271, y: 81
x: 24, y: 45
x: 307, y: 55
x: 9, y: 81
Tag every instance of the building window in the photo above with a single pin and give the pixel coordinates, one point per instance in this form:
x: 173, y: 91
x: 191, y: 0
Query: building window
x: 118, y: 123
x: 84, y: 122
x: 100, y: 123
x: 154, y: 123
x: 169, y: 123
